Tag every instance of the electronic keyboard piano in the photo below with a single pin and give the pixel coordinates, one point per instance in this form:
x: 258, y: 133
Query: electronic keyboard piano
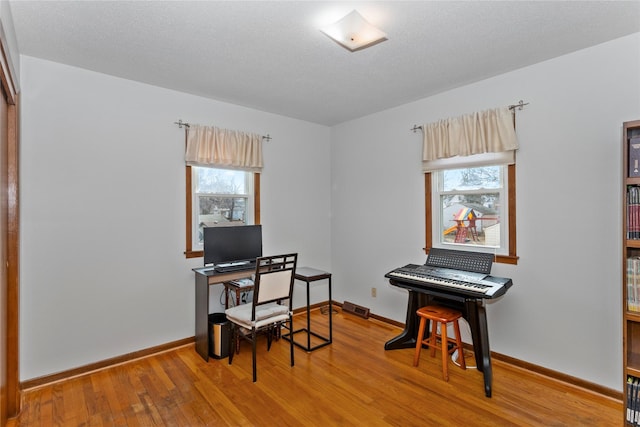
x: 466, y: 283
x: 457, y: 279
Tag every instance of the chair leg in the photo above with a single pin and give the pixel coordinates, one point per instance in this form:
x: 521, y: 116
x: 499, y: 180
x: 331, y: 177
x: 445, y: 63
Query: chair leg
x: 419, y: 339
x: 456, y: 329
x: 433, y: 337
x: 445, y: 351
x: 232, y: 342
x: 253, y: 350
x: 269, y: 337
x: 291, y: 340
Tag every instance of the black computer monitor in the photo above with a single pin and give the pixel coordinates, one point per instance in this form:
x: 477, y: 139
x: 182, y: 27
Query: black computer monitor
x: 224, y: 244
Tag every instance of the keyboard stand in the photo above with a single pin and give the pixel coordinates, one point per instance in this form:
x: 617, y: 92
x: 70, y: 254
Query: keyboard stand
x: 473, y: 311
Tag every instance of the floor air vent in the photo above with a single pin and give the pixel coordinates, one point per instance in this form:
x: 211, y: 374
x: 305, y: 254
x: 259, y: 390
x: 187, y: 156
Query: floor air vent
x: 350, y: 307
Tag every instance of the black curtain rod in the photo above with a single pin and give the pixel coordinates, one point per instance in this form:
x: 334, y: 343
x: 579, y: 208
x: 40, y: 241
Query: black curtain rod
x: 520, y: 105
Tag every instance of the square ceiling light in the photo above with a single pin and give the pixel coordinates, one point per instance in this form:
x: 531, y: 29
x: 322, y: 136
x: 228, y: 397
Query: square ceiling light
x: 354, y: 32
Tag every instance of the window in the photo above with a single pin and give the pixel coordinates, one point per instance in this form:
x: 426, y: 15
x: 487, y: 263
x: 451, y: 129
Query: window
x: 218, y: 198
x: 470, y: 184
x: 473, y: 209
x: 470, y: 206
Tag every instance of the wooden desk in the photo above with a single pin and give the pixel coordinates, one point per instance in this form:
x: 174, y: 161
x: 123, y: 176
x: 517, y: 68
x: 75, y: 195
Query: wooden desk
x: 204, y: 278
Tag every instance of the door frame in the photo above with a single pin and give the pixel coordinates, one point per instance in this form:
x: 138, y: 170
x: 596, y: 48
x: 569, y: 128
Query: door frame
x: 10, y: 308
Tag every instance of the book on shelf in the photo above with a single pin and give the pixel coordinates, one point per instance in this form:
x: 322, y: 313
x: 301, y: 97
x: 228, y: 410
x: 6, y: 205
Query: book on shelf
x: 633, y: 284
x: 634, y: 398
x: 635, y: 408
x: 634, y: 156
x: 633, y: 212
x: 632, y: 410
x: 629, y: 390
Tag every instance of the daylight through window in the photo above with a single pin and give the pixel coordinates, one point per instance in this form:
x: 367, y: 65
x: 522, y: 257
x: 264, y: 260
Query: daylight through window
x: 471, y: 207
x: 218, y: 198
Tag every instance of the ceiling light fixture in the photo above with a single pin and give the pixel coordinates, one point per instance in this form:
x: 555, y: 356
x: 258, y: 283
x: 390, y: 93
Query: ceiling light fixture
x: 354, y: 32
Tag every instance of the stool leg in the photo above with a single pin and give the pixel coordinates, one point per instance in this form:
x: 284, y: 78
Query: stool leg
x: 419, y: 338
x: 456, y: 329
x: 445, y: 351
x: 432, y: 338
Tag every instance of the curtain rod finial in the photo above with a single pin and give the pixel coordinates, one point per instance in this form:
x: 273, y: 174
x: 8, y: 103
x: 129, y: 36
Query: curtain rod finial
x: 520, y: 105
x: 180, y: 123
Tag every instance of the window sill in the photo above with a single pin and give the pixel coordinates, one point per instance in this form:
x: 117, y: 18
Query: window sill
x: 193, y: 254
x: 507, y: 259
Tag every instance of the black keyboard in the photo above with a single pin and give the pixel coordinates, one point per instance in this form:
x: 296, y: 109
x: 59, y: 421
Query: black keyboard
x: 235, y: 266
x: 469, y: 283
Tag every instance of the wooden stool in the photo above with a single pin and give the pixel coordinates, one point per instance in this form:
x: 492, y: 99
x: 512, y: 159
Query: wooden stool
x: 443, y: 316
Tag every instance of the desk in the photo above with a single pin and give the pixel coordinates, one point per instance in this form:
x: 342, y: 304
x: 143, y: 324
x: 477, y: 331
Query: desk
x: 309, y: 275
x: 204, y: 278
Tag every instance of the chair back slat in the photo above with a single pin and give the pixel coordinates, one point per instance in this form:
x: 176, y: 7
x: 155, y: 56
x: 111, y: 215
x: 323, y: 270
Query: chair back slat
x: 274, y: 285
x: 274, y: 278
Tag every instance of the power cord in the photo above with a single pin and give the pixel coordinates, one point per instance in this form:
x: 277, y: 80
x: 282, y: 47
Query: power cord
x: 466, y: 354
x: 244, y: 297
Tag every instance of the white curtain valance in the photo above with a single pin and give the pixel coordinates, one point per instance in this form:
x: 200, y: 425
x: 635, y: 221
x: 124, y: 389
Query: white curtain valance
x: 469, y: 139
x: 473, y: 161
x: 223, y: 148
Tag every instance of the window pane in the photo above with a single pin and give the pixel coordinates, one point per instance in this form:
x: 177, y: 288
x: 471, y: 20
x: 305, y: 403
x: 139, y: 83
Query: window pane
x: 471, y: 219
x: 218, y: 197
x: 470, y: 210
x: 486, y: 177
x: 214, y: 211
x: 220, y: 181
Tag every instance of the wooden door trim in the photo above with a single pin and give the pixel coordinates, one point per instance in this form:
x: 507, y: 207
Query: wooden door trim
x: 13, y: 264
x: 8, y: 79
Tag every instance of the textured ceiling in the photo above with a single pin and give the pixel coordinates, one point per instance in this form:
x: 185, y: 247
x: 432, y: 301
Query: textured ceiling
x: 271, y: 56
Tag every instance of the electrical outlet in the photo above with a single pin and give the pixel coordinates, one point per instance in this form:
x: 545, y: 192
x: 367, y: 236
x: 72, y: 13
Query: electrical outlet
x: 373, y: 292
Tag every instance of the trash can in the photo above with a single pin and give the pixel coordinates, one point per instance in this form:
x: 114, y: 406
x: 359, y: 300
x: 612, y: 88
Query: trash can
x: 218, y: 336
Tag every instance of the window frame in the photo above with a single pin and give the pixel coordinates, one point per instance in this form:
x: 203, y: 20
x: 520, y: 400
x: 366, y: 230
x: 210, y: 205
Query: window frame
x: 511, y: 257
x: 190, y: 252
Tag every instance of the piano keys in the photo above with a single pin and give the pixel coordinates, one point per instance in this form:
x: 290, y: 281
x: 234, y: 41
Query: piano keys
x: 469, y: 283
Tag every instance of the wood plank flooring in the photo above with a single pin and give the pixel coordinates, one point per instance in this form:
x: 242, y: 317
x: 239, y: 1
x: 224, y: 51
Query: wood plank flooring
x: 353, y: 382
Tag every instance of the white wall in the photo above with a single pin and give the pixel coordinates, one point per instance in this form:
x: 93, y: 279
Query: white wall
x: 103, y: 272
x: 102, y: 211
x: 564, y: 310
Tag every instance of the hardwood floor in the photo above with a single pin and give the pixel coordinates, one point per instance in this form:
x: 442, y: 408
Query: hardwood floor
x: 354, y: 381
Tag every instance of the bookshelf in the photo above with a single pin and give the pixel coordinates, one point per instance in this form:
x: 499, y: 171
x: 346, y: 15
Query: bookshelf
x: 631, y: 272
